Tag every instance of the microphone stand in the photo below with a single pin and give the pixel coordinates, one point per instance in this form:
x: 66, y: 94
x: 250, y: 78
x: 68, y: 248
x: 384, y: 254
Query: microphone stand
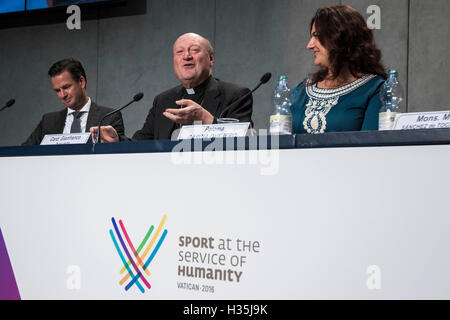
x: 136, y: 98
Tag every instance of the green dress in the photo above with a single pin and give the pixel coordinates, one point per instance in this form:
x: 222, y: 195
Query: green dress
x: 352, y: 107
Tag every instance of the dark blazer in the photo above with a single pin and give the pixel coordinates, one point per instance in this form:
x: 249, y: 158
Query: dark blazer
x: 53, y: 123
x: 218, y: 96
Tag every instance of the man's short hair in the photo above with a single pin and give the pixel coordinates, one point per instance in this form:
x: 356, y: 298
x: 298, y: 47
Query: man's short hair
x: 71, y: 65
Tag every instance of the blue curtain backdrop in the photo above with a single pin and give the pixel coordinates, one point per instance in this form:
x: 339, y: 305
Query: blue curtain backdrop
x: 12, y: 6
x: 19, y: 5
x: 39, y: 4
x: 36, y: 4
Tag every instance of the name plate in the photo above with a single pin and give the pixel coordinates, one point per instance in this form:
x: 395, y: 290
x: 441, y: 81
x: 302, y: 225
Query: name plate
x: 208, y: 131
x: 422, y: 120
x: 68, y: 138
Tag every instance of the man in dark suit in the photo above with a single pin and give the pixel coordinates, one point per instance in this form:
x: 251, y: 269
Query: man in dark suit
x: 199, y: 98
x: 69, y: 82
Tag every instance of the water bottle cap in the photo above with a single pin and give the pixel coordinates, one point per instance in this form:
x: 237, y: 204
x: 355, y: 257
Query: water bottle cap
x: 392, y: 72
x: 282, y: 78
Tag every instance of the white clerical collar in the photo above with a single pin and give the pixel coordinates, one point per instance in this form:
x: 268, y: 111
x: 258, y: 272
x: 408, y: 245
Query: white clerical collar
x: 85, y: 108
x: 190, y: 91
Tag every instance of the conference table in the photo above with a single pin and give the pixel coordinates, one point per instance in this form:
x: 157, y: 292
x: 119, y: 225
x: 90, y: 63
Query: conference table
x: 345, y: 215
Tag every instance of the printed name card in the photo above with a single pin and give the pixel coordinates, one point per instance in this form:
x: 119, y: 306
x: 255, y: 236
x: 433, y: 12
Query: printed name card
x: 208, y: 131
x: 68, y: 138
x: 422, y: 120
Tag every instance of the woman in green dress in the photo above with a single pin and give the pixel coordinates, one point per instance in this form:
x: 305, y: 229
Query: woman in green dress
x: 343, y: 95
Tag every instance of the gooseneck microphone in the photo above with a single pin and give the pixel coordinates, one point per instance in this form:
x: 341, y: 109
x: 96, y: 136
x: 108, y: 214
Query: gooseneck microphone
x: 136, y: 98
x: 264, y: 79
x: 8, y: 104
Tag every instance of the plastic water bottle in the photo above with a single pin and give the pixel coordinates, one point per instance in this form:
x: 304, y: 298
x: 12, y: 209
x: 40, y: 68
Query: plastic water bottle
x: 391, y: 94
x: 281, y: 119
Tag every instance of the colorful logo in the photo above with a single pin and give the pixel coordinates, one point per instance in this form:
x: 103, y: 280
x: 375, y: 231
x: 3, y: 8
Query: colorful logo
x: 132, y: 258
x: 8, y: 285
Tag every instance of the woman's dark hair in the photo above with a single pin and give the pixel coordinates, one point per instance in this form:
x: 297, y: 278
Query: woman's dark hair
x: 350, y: 43
x: 71, y: 65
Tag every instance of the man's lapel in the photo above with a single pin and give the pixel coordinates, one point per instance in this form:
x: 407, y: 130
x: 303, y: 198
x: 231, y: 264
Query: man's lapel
x: 93, y: 117
x: 60, y: 122
x: 165, y: 126
x: 211, y: 101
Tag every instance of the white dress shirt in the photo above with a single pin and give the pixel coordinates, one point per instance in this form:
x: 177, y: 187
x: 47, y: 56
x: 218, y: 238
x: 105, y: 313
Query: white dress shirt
x: 83, y: 118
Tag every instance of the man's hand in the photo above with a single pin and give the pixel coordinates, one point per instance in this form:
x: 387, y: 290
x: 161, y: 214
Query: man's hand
x: 108, y: 134
x: 192, y: 112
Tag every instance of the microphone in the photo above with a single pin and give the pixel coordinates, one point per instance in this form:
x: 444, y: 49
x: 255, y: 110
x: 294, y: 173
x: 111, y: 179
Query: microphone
x: 264, y: 79
x: 136, y: 98
x: 8, y: 104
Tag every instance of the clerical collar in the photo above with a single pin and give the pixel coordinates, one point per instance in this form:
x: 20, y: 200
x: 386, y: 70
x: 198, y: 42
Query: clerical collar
x: 200, y: 88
